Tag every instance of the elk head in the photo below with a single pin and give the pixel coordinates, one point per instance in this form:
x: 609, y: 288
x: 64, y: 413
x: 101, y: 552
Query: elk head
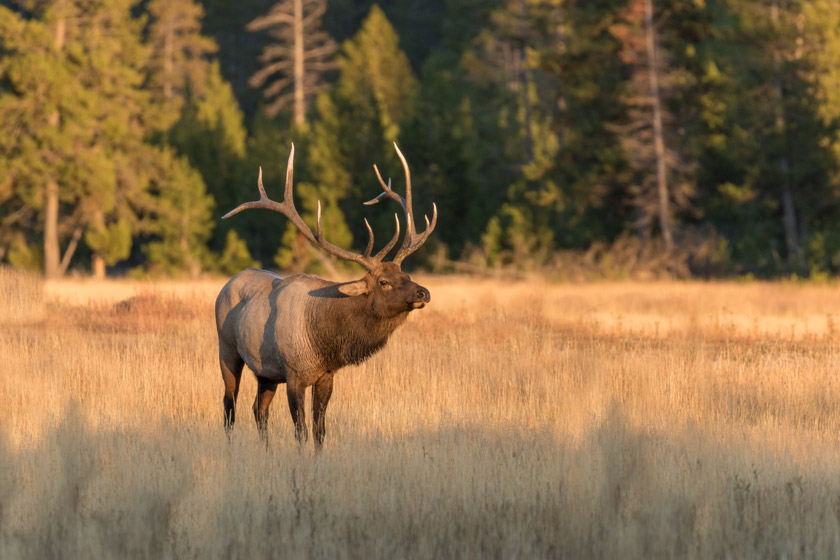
x: 390, y: 290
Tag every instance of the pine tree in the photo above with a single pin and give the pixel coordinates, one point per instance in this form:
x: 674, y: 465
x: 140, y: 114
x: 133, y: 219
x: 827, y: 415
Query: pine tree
x: 37, y: 80
x: 376, y: 73
x: 73, y: 76
x: 299, y: 56
x: 454, y: 157
x: 209, y: 130
x: 777, y: 152
x: 235, y: 256
x: 320, y: 176
x: 356, y: 127
x: 821, y: 22
x: 211, y: 134
x: 180, y: 221
x: 226, y: 22
x: 818, y: 38
x: 178, y: 64
x: 651, y: 144
x: 522, y: 91
x: 374, y: 96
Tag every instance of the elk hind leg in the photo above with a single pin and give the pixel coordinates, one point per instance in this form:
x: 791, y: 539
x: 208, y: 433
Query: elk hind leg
x: 231, y: 365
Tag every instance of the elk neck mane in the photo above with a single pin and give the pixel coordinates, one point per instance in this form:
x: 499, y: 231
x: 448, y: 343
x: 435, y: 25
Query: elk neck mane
x: 346, y: 330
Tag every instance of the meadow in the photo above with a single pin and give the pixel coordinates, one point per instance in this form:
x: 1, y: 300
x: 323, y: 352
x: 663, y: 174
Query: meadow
x: 504, y: 420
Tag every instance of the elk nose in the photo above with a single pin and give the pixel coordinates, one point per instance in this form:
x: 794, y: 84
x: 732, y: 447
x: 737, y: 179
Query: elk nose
x: 422, y: 294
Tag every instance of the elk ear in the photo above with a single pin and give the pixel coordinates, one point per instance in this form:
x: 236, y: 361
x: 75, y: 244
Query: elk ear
x: 358, y: 288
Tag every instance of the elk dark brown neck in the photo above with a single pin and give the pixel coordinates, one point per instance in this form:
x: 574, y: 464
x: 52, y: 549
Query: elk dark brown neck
x: 345, y: 332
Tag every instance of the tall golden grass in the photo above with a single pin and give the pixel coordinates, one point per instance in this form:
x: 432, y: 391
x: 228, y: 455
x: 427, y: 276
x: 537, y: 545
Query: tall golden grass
x: 504, y: 420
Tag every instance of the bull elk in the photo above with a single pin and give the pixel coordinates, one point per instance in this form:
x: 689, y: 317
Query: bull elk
x: 300, y: 330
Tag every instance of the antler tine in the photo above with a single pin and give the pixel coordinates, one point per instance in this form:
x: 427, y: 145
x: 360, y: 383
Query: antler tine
x: 408, y: 207
x: 364, y: 260
x: 412, y: 241
x: 287, y: 208
x: 388, y: 191
x: 263, y: 202
x: 417, y: 242
x: 290, y: 167
x: 370, y: 240
x: 384, y: 251
x: 260, y: 186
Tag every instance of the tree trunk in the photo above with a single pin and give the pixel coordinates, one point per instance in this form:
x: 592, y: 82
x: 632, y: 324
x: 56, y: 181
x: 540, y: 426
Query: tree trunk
x: 191, y: 262
x: 51, y: 248
x: 525, y: 83
x: 98, y: 265
x: 796, y: 259
x: 300, y: 107
x: 526, y: 103
x: 658, y: 140
x: 52, y: 251
x: 60, y: 28
x: 68, y: 252
x: 168, y: 62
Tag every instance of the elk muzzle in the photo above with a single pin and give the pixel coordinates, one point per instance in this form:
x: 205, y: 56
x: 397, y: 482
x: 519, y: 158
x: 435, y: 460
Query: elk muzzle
x: 421, y: 298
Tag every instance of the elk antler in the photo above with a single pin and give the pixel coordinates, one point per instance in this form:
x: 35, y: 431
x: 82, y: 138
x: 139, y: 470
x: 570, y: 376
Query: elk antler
x: 287, y: 208
x: 412, y: 241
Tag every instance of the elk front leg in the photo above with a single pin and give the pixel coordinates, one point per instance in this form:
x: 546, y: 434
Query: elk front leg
x: 296, y: 392
x: 265, y: 392
x: 321, y: 393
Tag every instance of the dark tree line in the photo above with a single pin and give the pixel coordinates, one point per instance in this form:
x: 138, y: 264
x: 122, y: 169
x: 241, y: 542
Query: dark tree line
x: 690, y: 135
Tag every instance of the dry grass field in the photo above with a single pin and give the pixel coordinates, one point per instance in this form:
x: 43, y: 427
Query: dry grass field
x: 504, y: 420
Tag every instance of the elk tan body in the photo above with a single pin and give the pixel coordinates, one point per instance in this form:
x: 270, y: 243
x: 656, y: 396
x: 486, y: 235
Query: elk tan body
x: 301, y: 329
x: 256, y: 310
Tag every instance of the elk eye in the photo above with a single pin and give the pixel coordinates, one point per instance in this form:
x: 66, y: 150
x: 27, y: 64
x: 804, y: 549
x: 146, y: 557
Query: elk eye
x: 383, y: 282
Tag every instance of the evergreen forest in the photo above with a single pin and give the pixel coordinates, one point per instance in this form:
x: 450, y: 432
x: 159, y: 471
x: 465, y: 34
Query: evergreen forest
x: 578, y: 138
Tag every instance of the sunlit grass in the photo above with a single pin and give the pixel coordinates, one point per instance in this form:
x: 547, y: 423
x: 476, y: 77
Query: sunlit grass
x: 504, y: 420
